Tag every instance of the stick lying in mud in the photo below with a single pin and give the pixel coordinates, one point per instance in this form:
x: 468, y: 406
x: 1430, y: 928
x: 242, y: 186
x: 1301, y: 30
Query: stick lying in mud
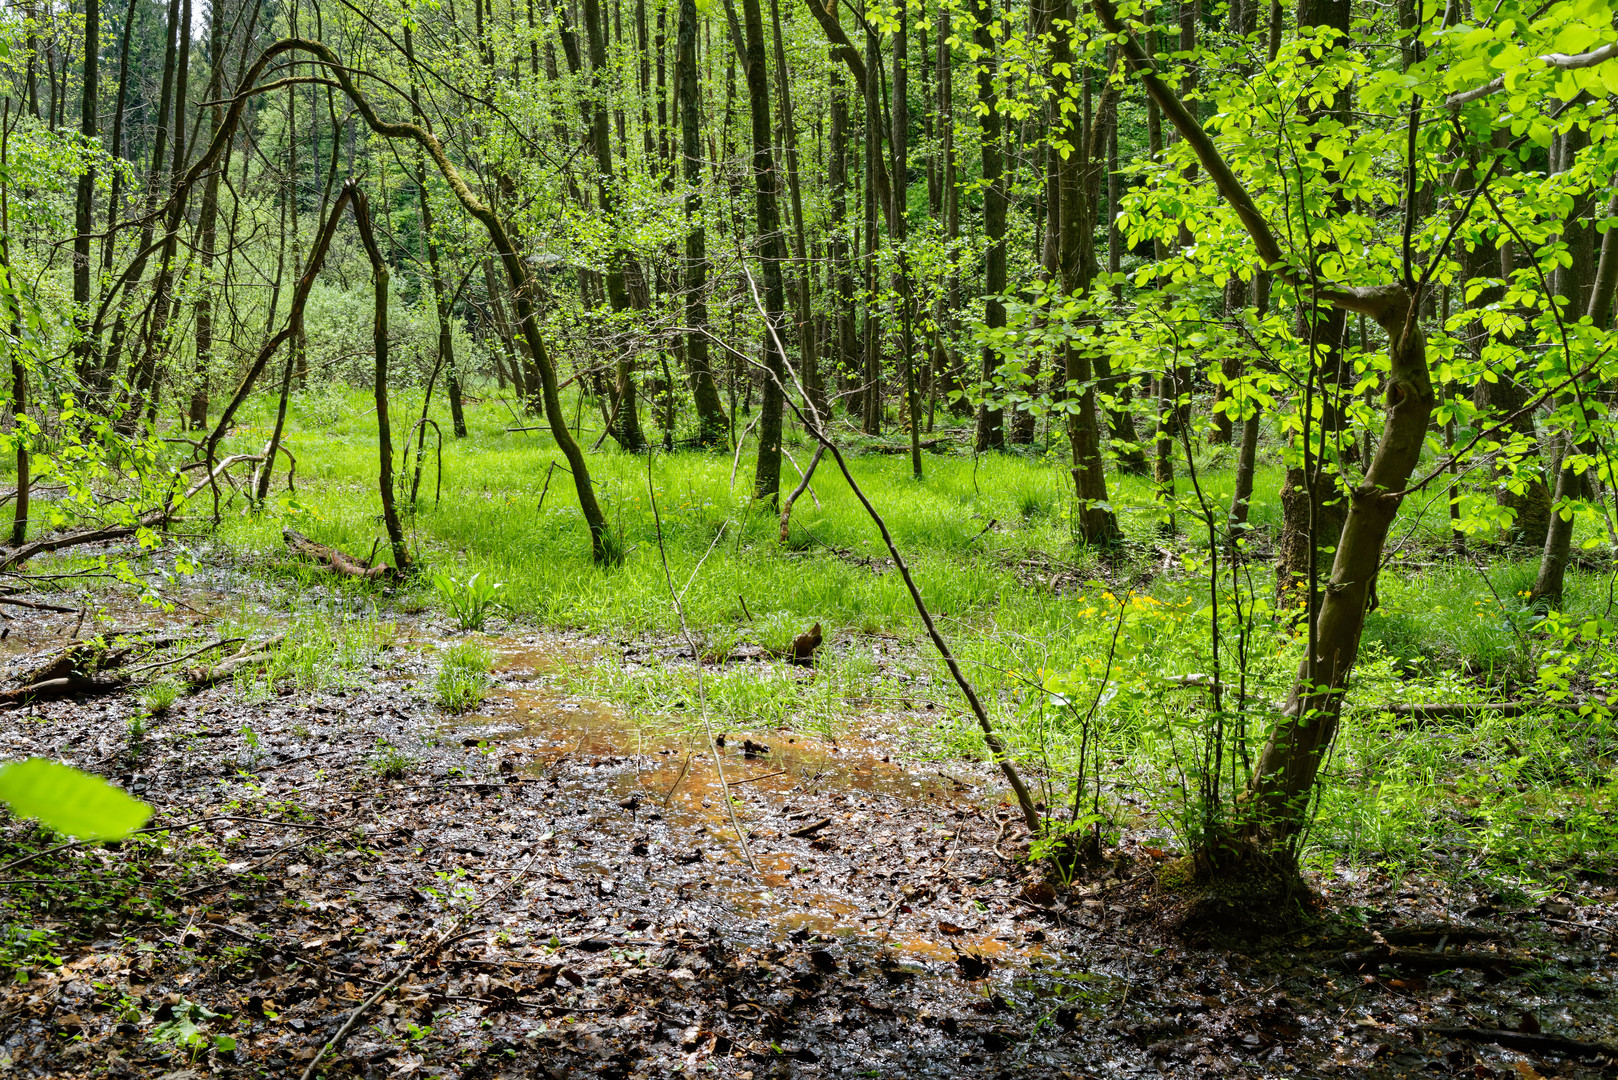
x: 433, y: 949
x: 702, y: 696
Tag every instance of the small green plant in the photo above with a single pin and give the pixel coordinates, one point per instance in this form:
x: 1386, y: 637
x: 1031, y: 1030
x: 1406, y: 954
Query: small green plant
x: 463, y: 679
x: 137, y: 734
x: 470, y: 601
x: 183, y: 1028
x: 159, y: 696
x: 252, y: 748
x: 389, y: 762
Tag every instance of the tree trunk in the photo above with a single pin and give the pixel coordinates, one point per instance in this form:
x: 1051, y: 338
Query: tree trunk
x: 1078, y: 171
x: 991, y: 429
x: 1550, y: 582
x: 384, y: 432
x: 900, y: 141
x: 712, y: 425
x: 846, y: 335
x: 626, y: 425
x: 1277, y: 799
x: 807, y: 360
x: 85, y: 198
x: 767, y: 477
x: 207, y: 225
x: 1247, y: 459
x: 871, y: 382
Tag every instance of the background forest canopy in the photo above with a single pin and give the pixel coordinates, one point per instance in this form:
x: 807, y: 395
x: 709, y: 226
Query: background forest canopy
x: 1255, y: 301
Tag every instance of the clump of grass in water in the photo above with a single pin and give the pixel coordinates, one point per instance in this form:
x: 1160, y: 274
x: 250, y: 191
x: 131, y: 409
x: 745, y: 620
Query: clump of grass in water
x: 389, y: 762
x: 463, y: 679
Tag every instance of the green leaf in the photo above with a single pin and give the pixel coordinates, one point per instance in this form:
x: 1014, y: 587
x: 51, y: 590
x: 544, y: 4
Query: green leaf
x: 70, y: 801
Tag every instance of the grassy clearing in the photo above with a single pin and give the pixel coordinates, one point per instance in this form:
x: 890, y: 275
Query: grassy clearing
x: 1032, y: 614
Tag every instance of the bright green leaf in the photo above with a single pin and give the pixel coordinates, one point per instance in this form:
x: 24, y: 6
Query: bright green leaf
x: 70, y: 801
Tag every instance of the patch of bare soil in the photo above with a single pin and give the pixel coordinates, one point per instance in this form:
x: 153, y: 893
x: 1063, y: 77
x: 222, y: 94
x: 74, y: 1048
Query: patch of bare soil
x: 349, y: 878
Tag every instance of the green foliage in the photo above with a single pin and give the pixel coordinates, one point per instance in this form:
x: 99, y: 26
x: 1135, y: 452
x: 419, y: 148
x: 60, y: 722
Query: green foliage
x: 69, y: 801
x: 158, y: 696
x: 463, y: 677
x: 470, y: 601
x: 388, y: 762
x: 184, y: 1028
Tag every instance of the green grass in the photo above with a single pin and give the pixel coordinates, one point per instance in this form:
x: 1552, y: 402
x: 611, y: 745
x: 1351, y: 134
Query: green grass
x: 463, y: 677
x: 1031, y: 614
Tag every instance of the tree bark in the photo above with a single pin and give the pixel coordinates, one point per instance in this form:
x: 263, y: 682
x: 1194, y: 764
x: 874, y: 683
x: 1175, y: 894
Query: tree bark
x: 384, y: 431
x: 767, y: 476
x: 871, y: 380
x: 1550, y: 582
x: 900, y: 141
x: 991, y: 428
x: 85, y: 197
x: 712, y: 425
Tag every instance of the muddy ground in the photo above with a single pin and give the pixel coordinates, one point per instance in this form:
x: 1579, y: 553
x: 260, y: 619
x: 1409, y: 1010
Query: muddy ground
x: 545, y: 889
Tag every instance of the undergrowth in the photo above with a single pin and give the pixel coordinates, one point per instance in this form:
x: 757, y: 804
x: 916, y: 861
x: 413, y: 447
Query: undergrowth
x: 1032, y: 614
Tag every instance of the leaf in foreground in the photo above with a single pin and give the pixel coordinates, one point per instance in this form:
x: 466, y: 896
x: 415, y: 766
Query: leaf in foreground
x: 70, y: 801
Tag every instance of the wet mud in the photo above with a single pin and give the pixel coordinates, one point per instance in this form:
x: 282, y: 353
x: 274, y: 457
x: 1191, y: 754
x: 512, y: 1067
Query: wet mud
x: 560, y: 891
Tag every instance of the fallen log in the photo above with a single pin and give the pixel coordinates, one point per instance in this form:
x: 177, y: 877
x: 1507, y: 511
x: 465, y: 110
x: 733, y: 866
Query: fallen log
x: 151, y: 519
x: 339, y: 561
x: 72, y: 684
x: 1447, y: 710
x: 35, y: 605
x: 904, y: 448
x: 249, y: 655
x: 1544, y: 1045
x: 1369, y: 960
x: 80, y: 658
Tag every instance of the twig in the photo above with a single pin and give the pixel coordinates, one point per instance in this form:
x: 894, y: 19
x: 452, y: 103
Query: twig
x: 702, y: 695
x: 811, y: 424
x: 683, y: 767
x: 354, y: 1018
x: 737, y: 460
x: 36, y: 605
x: 182, y: 659
x: 447, y: 938
x: 756, y: 779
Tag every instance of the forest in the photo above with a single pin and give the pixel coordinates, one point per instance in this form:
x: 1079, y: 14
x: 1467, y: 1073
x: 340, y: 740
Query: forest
x: 638, y: 538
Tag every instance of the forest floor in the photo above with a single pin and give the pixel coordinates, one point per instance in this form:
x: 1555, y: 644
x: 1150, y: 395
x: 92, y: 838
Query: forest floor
x: 544, y: 887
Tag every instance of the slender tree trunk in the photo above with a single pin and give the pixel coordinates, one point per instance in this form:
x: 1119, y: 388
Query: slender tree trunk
x: 1078, y: 174
x: 1284, y: 774
x: 871, y: 381
x: 808, y: 362
x: 84, y: 202
x: 900, y: 141
x: 845, y: 332
x: 154, y: 187
x: 144, y: 393
x: 767, y: 477
x: 384, y: 432
x: 207, y: 226
x: 991, y: 430
x: 1247, y: 459
x: 713, y: 427
x: 19, y: 373
x: 626, y: 426
x: 1550, y: 582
